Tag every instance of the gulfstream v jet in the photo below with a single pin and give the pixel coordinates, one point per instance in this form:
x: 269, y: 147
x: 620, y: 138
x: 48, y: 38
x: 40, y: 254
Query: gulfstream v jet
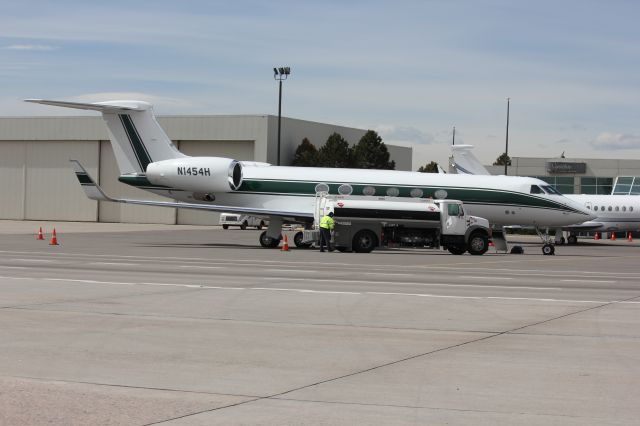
x: 147, y: 159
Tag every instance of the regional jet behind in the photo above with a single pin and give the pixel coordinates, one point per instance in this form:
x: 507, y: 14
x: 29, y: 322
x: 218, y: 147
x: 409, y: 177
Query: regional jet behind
x: 613, y: 212
x: 147, y: 159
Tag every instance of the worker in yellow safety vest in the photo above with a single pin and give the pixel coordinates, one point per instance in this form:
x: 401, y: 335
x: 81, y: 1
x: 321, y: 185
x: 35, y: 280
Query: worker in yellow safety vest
x: 326, y: 225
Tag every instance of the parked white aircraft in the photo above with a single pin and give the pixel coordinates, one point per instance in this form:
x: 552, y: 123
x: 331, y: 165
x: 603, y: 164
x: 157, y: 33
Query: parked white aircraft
x: 613, y: 212
x: 148, y: 160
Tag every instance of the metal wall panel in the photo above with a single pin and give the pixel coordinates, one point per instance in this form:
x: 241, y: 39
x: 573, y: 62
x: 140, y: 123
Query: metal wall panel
x: 52, y: 190
x: 238, y: 150
x: 117, y: 212
x: 12, y: 179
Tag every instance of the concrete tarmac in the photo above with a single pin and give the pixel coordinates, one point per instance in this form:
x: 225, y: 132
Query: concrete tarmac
x: 139, y: 325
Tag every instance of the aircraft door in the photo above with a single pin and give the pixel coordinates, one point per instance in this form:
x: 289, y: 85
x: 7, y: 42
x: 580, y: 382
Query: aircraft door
x: 454, y: 220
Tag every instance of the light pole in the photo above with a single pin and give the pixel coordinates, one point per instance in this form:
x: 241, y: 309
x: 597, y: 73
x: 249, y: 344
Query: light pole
x: 280, y: 74
x: 454, y: 136
x: 506, y: 149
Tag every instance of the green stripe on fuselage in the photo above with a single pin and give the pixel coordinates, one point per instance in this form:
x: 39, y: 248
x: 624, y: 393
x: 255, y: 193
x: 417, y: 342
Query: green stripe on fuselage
x: 467, y: 195
x: 140, y: 182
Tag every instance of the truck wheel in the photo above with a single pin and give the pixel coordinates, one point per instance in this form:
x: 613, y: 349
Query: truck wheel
x: 225, y: 226
x: 268, y: 242
x: 297, y: 240
x: 364, y: 241
x: 243, y: 226
x: 259, y: 227
x: 456, y: 249
x: 478, y: 244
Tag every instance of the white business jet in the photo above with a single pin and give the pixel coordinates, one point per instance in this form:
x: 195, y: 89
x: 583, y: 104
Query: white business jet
x: 147, y: 159
x: 613, y: 212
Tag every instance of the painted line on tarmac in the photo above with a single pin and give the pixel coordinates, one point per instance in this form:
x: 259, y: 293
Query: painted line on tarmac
x: 341, y: 281
x: 475, y: 277
x: 591, y: 281
x: 304, y: 271
x: 391, y: 274
x: 201, y: 267
x: 35, y: 260
x: 13, y: 267
x: 356, y: 266
x: 114, y: 263
x: 306, y: 291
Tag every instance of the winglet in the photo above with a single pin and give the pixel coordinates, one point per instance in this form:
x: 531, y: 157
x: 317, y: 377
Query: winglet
x: 90, y: 187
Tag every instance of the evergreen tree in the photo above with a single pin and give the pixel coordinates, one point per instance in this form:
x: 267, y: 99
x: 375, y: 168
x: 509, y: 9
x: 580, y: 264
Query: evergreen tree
x: 306, y: 155
x: 335, y: 153
x: 372, y: 153
x: 432, y: 167
x: 502, y: 160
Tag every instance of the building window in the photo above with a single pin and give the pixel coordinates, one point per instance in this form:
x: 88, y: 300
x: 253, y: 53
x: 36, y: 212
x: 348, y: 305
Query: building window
x: 596, y: 185
x: 563, y: 184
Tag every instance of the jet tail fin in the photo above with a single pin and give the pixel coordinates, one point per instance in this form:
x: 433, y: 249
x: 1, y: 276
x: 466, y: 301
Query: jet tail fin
x: 136, y: 136
x: 465, y: 162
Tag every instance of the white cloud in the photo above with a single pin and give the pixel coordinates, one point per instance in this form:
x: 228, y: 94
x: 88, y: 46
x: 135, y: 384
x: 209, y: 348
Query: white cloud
x: 615, y: 141
x: 393, y: 134
x: 32, y: 47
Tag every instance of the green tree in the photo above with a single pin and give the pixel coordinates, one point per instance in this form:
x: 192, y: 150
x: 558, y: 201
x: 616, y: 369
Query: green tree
x: 502, y: 160
x: 372, y: 153
x: 432, y: 167
x: 306, y: 155
x: 335, y: 153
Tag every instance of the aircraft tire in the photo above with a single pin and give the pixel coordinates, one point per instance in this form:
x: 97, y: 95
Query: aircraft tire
x: 548, y: 250
x: 297, y: 240
x: 364, y: 241
x: 268, y: 242
x: 225, y: 226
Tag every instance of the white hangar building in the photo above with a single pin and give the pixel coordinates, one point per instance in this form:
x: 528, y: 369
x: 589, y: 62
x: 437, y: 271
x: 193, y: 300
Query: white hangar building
x: 37, y: 181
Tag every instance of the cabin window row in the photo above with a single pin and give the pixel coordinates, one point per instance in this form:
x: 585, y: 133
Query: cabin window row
x: 347, y: 189
x: 611, y: 208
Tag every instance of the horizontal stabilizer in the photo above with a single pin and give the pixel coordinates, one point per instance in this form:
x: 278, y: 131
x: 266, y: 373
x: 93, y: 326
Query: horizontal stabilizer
x: 111, y: 106
x: 94, y: 192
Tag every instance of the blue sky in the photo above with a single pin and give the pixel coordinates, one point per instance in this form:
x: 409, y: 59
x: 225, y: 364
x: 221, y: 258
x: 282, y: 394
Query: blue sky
x: 409, y: 69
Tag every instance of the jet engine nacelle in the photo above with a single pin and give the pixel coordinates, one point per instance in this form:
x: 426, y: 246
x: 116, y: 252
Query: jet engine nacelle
x: 199, y: 174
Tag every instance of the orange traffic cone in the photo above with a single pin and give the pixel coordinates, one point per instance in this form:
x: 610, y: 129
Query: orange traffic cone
x: 629, y: 237
x: 54, y: 238
x: 40, y: 236
x: 596, y: 237
x: 285, y: 245
x: 613, y: 236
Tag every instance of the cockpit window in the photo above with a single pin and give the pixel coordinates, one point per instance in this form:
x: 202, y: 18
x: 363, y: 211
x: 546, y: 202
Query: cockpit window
x: 551, y: 190
x: 535, y: 189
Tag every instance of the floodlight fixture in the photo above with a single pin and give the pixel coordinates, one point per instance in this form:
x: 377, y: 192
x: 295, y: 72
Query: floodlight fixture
x: 280, y: 73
